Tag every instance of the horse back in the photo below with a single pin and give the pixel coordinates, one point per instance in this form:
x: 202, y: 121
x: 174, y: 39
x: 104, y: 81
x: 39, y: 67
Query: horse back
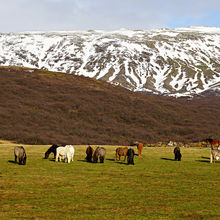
x: 19, y: 151
x: 122, y: 151
x: 215, y: 152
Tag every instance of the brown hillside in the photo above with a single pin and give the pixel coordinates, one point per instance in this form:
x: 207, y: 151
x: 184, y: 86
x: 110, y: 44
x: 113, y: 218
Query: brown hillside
x: 41, y: 107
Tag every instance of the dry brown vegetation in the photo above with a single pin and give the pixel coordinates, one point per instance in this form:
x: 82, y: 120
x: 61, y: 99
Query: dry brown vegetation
x: 42, y: 107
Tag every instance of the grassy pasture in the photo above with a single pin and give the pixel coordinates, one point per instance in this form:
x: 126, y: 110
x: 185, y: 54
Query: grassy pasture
x: 156, y: 187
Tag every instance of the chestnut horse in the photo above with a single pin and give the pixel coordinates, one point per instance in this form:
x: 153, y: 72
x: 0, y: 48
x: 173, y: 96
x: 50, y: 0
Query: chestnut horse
x: 140, y: 148
x: 121, y: 152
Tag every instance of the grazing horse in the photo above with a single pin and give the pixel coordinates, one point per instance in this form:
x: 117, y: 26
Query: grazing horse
x: 20, y: 154
x: 121, y: 151
x: 212, y: 142
x: 69, y: 153
x: 177, y: 154
x: 60, y: 152
x: 215, y: 155
x: 99, y: 153
x: 89, y: 153
x: 66, y: 153
x: 130, y: 155
x: 52, y: 149
x: 140, y: 148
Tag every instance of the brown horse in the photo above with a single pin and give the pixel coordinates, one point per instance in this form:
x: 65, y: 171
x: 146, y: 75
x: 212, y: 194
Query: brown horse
x: 89, y: 153
x: 213, y: 143
x: 121, y: 151
x: 140, y: 148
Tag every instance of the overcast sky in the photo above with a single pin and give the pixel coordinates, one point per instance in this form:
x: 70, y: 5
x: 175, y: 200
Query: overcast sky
x: 47, y: 15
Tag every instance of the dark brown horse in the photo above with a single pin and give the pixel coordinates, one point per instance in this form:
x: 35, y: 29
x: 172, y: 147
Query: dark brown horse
x: 177, y: 154
x: 121, y: 151
x: 213, y: 143
x: 89, y: 153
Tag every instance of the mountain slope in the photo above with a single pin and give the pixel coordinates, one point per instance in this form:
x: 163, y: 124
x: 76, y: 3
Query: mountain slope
x: 176, y: 62
x: 42, y: 107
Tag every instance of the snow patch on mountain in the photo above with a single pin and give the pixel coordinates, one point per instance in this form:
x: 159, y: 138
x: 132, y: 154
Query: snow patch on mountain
x: 177, y: 62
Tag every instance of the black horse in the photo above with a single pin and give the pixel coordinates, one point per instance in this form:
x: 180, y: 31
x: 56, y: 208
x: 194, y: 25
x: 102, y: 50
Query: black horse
x: 177, y: 154
x: 130, y: 156
x: 20, y: 154
x: 52, y: 149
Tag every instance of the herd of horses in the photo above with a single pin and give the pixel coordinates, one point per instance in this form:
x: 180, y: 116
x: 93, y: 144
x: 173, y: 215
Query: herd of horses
x: 66, y: 153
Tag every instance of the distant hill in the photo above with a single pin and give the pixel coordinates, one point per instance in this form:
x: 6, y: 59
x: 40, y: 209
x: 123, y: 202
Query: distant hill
x: 42, y: 107
x: 175, y: 62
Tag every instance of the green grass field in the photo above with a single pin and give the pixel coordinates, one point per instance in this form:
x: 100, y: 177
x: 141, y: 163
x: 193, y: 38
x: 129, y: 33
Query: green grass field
x: 156, y: 187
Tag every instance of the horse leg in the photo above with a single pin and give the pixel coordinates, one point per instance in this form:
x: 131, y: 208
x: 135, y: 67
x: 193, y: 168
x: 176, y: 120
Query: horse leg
x: 116, y: 156
x: 176, y: 156
x: 69, y: 157
x: 15, y: 159
x: 129, y: 160
x: 57, y: 158
x: 101, y: 159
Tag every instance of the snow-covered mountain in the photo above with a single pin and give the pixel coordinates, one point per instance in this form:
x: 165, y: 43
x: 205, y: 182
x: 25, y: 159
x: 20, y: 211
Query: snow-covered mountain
x: 177, y: 62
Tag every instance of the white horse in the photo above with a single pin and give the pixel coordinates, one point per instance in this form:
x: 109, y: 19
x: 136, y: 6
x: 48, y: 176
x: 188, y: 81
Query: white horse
x: 60, y: 153
x: 66, y: 153
x: 215, y: 155
x: 69, y: 153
